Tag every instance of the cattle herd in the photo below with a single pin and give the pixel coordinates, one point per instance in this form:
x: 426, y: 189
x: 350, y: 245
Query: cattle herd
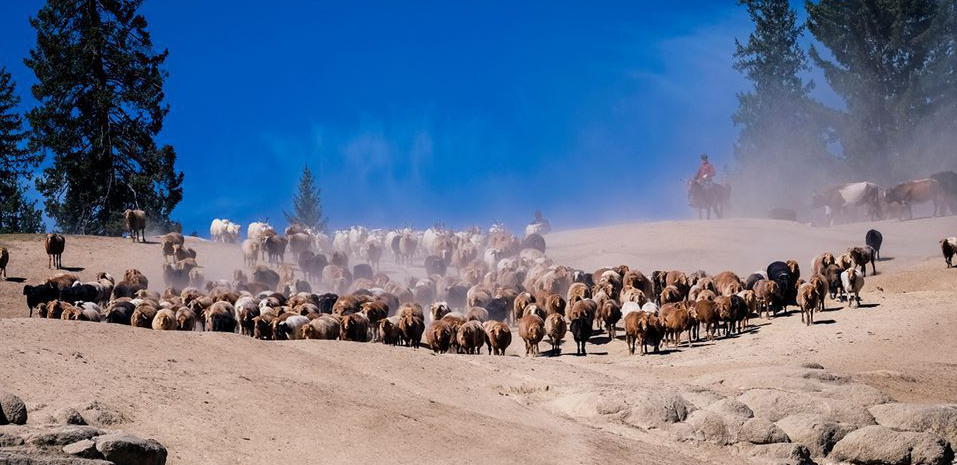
x: 500, y: 282
x: 940, y: 189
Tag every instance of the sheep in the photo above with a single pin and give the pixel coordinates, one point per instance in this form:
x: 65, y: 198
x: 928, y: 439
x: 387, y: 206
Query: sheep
x: 534, y: 241
x: 471, y: 337
x: 407, y: 245
x: 4, y: 258
x: 185, y: 319
x: 808, y: 300
x: 136, y: 224
x: 275, y: 247
x: 581, y: 319
x: 250, y: 249
x: 846, y: 261
x: 948, y: 246
x: 143, y: 316
x: 411, y: 326
x: 439, y: 336
x: 632, y: 320
x: 677, y: 319
x: 120, y: 312
x: 165, y: 320
x: 498, y: 337
x: 832, y: 277
x: 477, y: 314
x: 323, y: 327
x: 389, y: 332
x: 39, y: 295
x: 873, y: 238
x: 54, y: 245
x: 555, y: 328
x: 531, y: 328
x: 853, y: 281
x: 221, y: 316
x: 821, y: 262
x: 705, y: 312
x: 89, y: 312
x: 69, y: 312
x: 355, y: 327
x: 609, y: 313
x: 521, y: 301
x: 727, y: 283
x: 670, y: 295
x: 862, y: 256
x: 80, y: 292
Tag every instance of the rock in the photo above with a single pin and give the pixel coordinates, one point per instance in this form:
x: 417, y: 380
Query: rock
x: 940, y: 419
x: 815, y: 432
x: 12, y: 435
x: 85, y: 449
x: 879, y: 444
x: 812, y: 366
x: 731, y: 409
x: 62, y: 436
x: 657, y: 409
x: 98, y: 413
x: 126, y: 449
x: 709, y: 426
x: 682, y: 432
x: 12, y: 410
x: 782, y: 453
x: 761, y: 431
x: 775, y: 404
x: 68, y: 416
x: 21, y: 458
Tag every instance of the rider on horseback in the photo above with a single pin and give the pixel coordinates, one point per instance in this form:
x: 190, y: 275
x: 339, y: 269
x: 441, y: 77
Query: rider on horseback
x: 703, y: 179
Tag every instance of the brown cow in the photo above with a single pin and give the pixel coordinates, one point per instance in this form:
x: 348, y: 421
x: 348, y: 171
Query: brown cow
x: 136, y: 224
x: 849, y: 195
x: 919, y: 191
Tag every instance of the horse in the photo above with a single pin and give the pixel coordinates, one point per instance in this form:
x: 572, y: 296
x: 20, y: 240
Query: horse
x: 714, y: 197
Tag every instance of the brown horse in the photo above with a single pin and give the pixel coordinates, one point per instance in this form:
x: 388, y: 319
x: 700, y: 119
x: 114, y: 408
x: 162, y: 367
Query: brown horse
x: 705, y: 198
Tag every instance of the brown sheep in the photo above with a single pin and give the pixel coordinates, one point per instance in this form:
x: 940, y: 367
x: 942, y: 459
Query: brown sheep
x: 609, y: 314
x: 555, y: 328
x: 323, y: 327
x: 531, y: 328
x: 54, y: 245
x: 821, y: 262
x: 439, y: 309
x: 846, y: 261
x: 347, y: 305
x: 534, y: 309
x: 136, y: 224
x: 808, y: 300
x: 375, y: 311
x: 554, y: 303
x: 643, y: 328
x: 143, y: 316
x: 705, y: 312
x: 164, y: 320
x: 439, y: 336
x: 948, y: 246
x: 518, y: 306
x: 677, y: 319
x: 470, y: 337
x: 498, y: 337
x: 766, y: 291
x: 577, y: 291
x: 70, y: 312
x: 750, y: 301
x: 185, y: 319
x: 4, y: 258
x: 679, y: 280
x: 221, y: 317
x: 862, y: 256
x: 411, y: 325
x: 389, y: 332
x: 631, y: 330
x: 354, y: 327
x: 727, y: 283
x: 727, y: 309
x: 631, y: 294
x: 669, y: 295
x: 477, y: 314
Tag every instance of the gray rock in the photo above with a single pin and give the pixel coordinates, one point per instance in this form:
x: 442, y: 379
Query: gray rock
x: 709, y: 426
x: 682, y: 432
x: 815, y: 432
x: 657, y: 409
x: 62, y: 436
x: 126, y: 449
x: 85, y: 449
x: 12, y: 436
x: 781, y: 453
x: 68, y: 416
x: 812, y: 365
x: 12, y: 410
x: 775, y: 404
x: 940, y: 419
x: 761, y: 431
x: 881, y: 445
x: 21, y: 458
x: 98, y: 413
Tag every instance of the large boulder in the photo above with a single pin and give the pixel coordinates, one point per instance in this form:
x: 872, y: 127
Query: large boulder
x: 657, y: 409
x: 85, y: 449
x: 775, y: 405
x: 881, y: 445
x: 68, y: 416
x: 781, y: 454
x: 815, y: 432
x: 12, y: 410
x: 62, y: 436
x: 940, y: 419
x: 709, y: 426
x: 126, y: 449
x: 761, y: 431
x: 22, y: 458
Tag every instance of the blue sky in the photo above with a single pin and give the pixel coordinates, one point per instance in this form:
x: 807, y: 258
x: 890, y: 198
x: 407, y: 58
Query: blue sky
x: 431, y: 111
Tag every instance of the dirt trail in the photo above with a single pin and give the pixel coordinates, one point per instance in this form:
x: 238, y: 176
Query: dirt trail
x: 219, y: 398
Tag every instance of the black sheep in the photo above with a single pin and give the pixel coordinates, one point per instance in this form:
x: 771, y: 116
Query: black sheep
x: 581, y: 329
x: 874, y: 239
x: 781, y: 274
x: 40, y: 294
x: 752, y: 280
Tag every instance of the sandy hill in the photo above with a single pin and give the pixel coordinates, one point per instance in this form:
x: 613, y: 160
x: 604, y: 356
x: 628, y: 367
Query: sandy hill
x: 220, y: 398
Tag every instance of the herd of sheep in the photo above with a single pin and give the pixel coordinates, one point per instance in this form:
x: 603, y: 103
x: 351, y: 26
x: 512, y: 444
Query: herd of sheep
x: 500, y: 283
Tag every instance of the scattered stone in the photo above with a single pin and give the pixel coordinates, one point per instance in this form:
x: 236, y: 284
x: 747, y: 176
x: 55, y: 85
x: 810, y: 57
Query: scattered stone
x: 20, y: 458
x: 731, y: 409
x: 62, y: 436
x: 812, y: 366
x: 126, y: 449
x: 682, y: 432
x: 761, y: 431
x: 881, y: 445
x: 656, y: 409
x: 100, y: 414
x: 68, y: 416
x: 12, y: 410
x: 815, y: 432
x: 85, y: 449
x: 709, y: 426
x: 940, y: 419
x: 775, y: 405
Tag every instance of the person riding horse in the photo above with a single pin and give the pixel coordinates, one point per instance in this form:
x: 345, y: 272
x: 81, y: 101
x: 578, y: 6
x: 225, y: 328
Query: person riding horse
x: 703, y: 179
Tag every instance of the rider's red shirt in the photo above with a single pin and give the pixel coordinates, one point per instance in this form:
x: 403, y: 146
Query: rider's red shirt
x: 706, y: 169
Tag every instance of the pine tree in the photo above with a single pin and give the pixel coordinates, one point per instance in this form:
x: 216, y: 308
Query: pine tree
x: 307, y: 207
x: 17, y: 214
x: 100, y: 88
x: 780, y: 128
x: 893, y: 63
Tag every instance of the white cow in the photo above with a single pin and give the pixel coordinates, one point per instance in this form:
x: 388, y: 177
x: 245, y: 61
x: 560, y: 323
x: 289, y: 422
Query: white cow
x: 257, y: 229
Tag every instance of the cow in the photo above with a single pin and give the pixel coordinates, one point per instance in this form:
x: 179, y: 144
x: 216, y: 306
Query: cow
x: 919, y: 191
x: 136, y: 223
x: 948, y: 186
x: 854, y: 194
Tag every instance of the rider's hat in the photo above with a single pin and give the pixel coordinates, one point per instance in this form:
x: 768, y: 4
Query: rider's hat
x: 704, y: 156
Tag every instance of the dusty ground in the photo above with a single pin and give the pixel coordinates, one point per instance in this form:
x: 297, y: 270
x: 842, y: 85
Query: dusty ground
x: 217, y: 398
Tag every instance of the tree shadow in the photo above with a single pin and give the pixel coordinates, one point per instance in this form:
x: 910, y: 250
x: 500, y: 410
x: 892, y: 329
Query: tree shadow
x: 16, y: 280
